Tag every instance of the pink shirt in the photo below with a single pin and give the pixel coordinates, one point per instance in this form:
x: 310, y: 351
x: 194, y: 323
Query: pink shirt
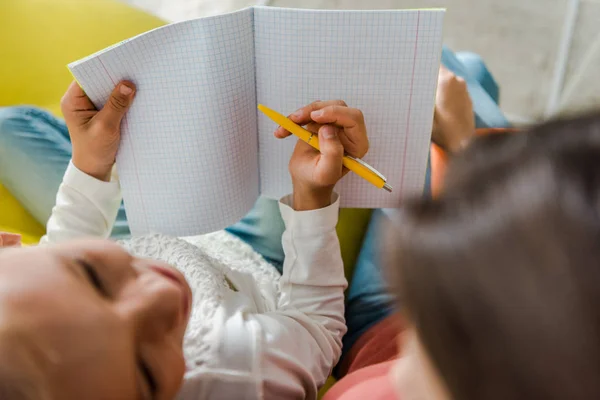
x: 366, y: 366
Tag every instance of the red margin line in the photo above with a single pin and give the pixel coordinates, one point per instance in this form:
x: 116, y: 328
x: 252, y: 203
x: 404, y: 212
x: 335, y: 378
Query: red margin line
x: 412, y: 82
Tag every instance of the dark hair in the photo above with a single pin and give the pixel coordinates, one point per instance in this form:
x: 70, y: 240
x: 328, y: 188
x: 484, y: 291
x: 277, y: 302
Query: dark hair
x: 501, y: 274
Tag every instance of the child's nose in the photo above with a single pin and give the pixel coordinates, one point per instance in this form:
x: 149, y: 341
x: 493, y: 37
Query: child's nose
x: 162, y: 303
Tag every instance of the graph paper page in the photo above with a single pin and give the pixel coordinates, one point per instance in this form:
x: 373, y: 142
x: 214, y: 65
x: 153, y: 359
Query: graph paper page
x: 382, y: 62
x: 188, y: 156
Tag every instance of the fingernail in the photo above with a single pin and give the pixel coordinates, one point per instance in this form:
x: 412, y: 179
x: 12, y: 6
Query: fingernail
x: 316, y: 114
x: 329, y: 132
x: 297, y: 114
x: 125, y: 90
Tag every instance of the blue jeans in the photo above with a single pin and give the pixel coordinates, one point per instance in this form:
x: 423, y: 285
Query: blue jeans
x: 35, y: 150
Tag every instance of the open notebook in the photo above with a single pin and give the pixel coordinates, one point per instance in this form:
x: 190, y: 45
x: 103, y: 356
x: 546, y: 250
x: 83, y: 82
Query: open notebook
x: 196, y: 153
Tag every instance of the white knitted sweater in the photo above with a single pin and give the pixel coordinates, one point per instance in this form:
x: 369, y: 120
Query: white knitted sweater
x: 208, y: 262
x: 276, y: 336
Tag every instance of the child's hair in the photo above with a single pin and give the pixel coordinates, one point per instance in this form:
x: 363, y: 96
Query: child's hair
x: 21, y: 376
x: 500, y: 275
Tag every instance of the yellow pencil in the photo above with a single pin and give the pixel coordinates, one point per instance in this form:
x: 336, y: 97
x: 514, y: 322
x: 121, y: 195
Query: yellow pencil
x: 355, y: 165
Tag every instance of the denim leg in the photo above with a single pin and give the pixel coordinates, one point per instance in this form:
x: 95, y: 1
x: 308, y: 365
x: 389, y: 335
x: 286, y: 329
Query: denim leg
x: 476, y: 68
x: 485, y: 107
x: 34, y: 153
x: 368, y: 300
x: 35, y: 150
x: 262, y: 229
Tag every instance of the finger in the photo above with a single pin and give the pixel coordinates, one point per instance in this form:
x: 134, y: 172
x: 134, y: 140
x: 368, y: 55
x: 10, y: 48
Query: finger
x: 354, y: 136
x: 282, y: 133
x: 345, y: 117
x: 302, y: 115
x: 447, y: 77
x: 117, y: 105
x: 9, y: 239
x: 313, y: 127
x: 298, y: 162
x: 329, y: 167
x: 75, y: 102
x: 444, y: 71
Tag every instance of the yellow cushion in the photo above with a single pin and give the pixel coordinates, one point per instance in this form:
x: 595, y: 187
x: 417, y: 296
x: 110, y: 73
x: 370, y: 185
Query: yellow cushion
x: 40, y: 37
x: 14, y: 218
x: 351, y: 229
x: 328, y: 384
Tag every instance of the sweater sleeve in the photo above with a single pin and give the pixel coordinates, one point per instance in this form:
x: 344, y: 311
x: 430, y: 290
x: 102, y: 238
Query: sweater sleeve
x: 288, y: 351
x: 85, y: 207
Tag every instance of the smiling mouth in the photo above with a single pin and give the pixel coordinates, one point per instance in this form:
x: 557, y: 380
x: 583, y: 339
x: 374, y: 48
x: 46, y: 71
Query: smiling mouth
x: 185, y: 292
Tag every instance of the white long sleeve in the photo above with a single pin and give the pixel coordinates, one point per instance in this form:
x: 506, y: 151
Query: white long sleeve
x: 279, y: 347
x: 85, y: 207
x: 311, y: 306
x: 286, y: 350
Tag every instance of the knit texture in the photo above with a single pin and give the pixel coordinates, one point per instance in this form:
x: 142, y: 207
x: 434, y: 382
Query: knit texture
x: 206, y: 262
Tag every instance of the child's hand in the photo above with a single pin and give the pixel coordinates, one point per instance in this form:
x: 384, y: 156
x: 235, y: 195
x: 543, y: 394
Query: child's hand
x: 10, y: 240
x: 96, y: 134
x: 454, y: 121
x: 314, y: 174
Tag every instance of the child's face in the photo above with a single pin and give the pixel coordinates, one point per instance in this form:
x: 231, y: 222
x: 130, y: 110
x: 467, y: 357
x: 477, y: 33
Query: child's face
x: 99, y: 323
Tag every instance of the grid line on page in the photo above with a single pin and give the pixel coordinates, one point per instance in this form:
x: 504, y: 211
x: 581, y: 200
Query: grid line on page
x: 410, y: 97
x: 195, y: 154
x: 192, y: 126
x: 366, y: 58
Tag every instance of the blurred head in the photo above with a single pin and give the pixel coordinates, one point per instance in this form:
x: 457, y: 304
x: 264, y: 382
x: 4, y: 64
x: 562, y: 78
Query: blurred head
x: 500, y: 275
x: 88, y: 321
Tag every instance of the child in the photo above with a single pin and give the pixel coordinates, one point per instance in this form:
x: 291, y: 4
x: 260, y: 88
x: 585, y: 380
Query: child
x: 251, y: 332
x: 497, y: 277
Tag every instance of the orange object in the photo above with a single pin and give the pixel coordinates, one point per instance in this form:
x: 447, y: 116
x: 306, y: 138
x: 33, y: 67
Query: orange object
x: 439, y: 159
